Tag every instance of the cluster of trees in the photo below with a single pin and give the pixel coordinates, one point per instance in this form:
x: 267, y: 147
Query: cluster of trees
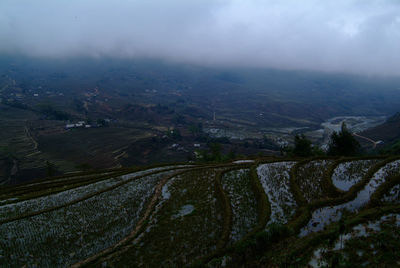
x: 341, y: 143
x: 51, y: 113
x: 215, y: 153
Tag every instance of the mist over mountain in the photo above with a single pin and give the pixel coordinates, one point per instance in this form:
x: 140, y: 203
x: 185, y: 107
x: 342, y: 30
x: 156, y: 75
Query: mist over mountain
x: 342, y: 35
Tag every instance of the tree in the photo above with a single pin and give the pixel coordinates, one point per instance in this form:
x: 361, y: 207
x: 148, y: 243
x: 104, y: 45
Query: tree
x: 174, y: 134
x: 50, y: 169
x: 101, y: 122
x: 302, y: 146
x: 343, y: 143
x: 215, y: 151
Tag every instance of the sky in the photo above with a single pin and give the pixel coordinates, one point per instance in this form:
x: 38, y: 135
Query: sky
x: 356, y: 36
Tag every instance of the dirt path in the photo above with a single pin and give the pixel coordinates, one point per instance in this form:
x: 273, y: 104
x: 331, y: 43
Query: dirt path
x: 367, y: 139
x: 28, y: 134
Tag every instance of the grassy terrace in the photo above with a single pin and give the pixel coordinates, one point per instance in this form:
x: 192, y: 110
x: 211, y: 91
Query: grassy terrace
x: 327, y: 214
x: 310, y: 178
x: 77, y: 231
x: 188, y: 226
x: 348, y: 173
x: 270, y: 213
x: 236, y: 183
x: 44, y: 187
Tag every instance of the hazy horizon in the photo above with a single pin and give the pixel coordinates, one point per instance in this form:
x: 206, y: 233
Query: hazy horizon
x: 349, y: 36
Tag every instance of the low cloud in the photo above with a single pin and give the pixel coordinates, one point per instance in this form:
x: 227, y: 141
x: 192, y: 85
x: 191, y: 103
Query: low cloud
x: 358, y: 36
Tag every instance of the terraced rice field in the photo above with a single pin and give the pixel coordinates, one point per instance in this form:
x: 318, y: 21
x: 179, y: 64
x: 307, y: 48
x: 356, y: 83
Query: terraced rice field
x: 188, y: 226
x: 310, y: 178
x: 237, y: 185
x: 393, y: 196
x: 275, y: 180
x: 226, y: 215
x: 362, y: 244
x: 74, y: 232
x: 349, y: 173
x: 323, y: 216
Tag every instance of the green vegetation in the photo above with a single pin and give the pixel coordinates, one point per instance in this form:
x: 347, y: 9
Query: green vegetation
x: 51, y: 113
x: 393, y: 148
x: 129, y: 107
x: 343, y: 143
x: 214, y: 154
x: 302, y: 146
x: 237, y: 184
x: 310, y: 178
x: 181, y: 235
x: 202, y: 216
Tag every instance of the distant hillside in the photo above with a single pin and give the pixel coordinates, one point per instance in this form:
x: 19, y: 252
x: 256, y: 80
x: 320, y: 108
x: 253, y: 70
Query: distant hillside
x: 130, y: 108
x: 388, y: 132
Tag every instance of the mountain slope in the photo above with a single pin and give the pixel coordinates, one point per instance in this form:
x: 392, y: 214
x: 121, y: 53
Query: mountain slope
x: 247, y: 213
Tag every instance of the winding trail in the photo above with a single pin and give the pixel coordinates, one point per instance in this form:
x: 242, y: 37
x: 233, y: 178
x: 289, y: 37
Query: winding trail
x: 367, y: 139
x: 28, y: 134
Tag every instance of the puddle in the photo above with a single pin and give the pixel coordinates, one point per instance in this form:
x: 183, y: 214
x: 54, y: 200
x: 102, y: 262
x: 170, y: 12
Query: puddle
x: 185, y: 210
x: 243, y: 161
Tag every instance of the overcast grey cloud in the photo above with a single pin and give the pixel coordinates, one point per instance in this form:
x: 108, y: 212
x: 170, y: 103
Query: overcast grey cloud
x: 361, y: 36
